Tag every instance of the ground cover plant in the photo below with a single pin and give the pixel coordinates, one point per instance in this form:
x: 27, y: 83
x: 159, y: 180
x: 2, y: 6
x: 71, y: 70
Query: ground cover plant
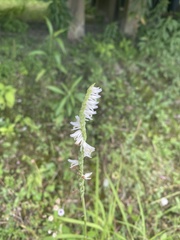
x: 134, y: 188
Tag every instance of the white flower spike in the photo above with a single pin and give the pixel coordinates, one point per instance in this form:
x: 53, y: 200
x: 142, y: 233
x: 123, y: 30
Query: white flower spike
x: 73, y: 163
x: 86, y: 113
x: 86, y: 176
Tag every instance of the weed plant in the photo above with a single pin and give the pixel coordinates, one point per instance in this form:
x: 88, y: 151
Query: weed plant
x: 134, y: 191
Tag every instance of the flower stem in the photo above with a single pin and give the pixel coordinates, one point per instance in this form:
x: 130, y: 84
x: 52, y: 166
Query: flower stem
x: 85, y: 215
x: 82, y: 190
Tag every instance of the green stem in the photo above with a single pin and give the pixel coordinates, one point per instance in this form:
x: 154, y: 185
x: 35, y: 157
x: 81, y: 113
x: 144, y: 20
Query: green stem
x: 85, y: 215
x: 82, y: 189
x: 97, y: 190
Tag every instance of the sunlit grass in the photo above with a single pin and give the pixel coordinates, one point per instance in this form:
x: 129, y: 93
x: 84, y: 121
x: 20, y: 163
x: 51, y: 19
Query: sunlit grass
x: 27, y: 10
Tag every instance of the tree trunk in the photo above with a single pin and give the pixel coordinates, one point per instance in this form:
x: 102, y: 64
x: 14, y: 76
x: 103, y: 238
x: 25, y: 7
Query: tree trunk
x: 130, y: 16
x: 77, y: 25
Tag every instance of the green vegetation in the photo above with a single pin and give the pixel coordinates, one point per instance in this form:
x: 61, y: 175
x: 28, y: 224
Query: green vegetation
x: 43, y: 79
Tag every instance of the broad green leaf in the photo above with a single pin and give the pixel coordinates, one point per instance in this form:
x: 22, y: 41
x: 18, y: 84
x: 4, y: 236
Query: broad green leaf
x: 72, y: 99
x: 2, y: 100
x: 80, y: 96
x: 18, y: 118
x: 57, y: 33
x: 69, y: 109
x: 79, y: 222
x: 65, y: 87
x: 62, y: 69
x: 37, y: 52
x: 61, y: 45
x: 2, y: 86
x: 61, y: 105
x: 76, y: 82
x: 58, y: 59
x: 59, y: 119
x: 55, y: 89
x: 40, y: 75
x: 10, y: 99
x: 50, y: 27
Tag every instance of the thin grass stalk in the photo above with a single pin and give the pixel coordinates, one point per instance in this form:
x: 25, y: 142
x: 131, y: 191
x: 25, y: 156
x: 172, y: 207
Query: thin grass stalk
x: 82, y: 190
x: 142, y: 217
x: 97, y: 190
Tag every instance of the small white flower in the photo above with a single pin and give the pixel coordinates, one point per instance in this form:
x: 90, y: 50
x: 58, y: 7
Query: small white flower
x: 55, y: 207
x: 76, y: 125
x: 164, y: 201
x: 87, y: 149
x: 61, y: 212
x: 86, y: 176
x: 88, y: 114
x: 23, y: 129
x: 54, y: 234
x: 77, y: 137
x: 105, y: 183
x: 50, y: 218
x: 73, y: 163
x: 49, y: 231
x: 94, y: 93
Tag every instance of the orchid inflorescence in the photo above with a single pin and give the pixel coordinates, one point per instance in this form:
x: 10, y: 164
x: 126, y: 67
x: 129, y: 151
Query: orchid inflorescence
x: 89, y: 105
x: 87, y: 110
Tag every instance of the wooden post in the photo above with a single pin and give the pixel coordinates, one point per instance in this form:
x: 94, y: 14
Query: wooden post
x: 130, y: 16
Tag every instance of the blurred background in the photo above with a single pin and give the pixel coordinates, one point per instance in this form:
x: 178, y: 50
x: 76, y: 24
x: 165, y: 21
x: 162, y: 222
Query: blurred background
x: 50, y: 53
